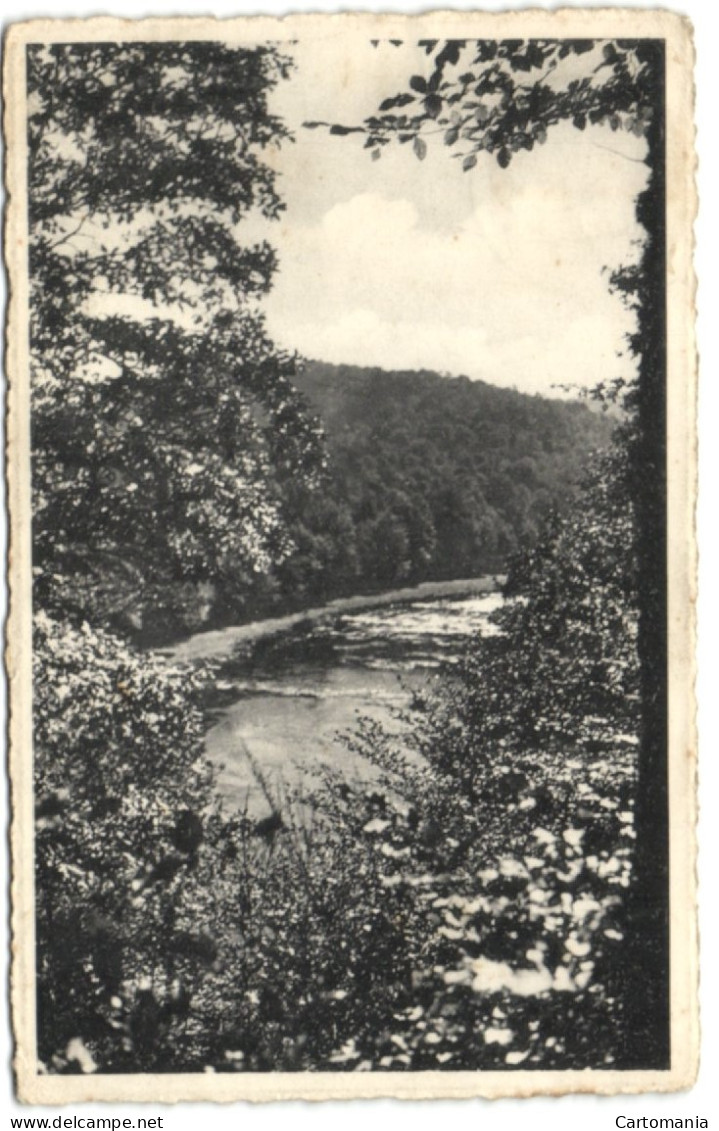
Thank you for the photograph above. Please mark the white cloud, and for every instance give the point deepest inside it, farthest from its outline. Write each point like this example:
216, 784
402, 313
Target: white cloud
515, 292
363, 337
497, 273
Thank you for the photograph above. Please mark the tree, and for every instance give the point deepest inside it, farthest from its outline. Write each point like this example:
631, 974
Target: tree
502, 98
564, 668
115, 762
163, 417
163, 422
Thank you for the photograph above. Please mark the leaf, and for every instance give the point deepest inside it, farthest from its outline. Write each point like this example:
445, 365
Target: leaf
397, 100
503, 158
535, 55
419, 84
420, 148
433, 105
376, 154
450, 52
496, 1036
451, 136
469, 162
520, 63
78, 1053
516, 1056
342, 131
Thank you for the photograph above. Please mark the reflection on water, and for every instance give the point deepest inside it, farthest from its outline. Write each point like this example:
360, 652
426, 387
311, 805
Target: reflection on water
290, 702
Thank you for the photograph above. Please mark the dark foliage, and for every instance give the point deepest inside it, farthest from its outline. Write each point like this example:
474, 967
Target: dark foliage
163, 417
501, 97
429, 478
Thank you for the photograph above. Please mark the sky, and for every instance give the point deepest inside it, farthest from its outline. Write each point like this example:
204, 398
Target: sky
497, 274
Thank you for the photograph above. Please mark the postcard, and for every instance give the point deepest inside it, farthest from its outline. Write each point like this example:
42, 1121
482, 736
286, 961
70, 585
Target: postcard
351, 473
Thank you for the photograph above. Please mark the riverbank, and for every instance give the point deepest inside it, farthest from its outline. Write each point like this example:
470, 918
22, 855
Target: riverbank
283, 703
219, 644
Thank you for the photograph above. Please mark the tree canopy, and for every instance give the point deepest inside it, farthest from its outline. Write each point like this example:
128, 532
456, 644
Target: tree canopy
163, 416
501, 97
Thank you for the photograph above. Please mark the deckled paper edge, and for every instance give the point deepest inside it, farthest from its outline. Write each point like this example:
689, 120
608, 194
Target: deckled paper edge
681, 462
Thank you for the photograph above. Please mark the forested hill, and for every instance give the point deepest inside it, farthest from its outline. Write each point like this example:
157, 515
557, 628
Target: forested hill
430, 477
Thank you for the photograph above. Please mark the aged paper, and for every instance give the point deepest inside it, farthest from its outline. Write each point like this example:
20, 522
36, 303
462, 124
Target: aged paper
340, 767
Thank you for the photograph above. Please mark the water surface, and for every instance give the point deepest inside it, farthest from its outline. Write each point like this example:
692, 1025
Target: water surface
287, 706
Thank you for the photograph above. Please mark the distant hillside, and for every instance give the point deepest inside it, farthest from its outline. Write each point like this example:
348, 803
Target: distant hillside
430, 478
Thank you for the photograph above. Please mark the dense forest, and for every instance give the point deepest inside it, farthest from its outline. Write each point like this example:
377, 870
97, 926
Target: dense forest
428, 478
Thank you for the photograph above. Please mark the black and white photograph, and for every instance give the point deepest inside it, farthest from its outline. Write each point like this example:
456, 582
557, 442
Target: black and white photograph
351, 489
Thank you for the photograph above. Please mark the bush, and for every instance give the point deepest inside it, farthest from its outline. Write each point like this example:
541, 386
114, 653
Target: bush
126, 852
464, 909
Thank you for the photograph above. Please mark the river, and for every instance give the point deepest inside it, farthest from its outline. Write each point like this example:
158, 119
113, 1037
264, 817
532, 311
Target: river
283, 702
